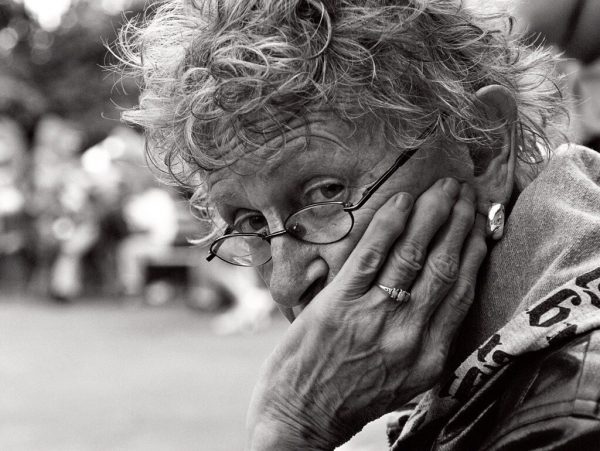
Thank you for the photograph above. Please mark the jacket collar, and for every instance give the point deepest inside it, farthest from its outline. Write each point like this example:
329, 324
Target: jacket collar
543, 278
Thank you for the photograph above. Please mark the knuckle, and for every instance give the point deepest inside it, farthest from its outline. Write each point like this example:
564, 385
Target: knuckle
467, 287
447, 189
410, 257
435, 198
436, 201
387, 220
462, 306
388, 213
465, 213
369, 261
465, 296
444, 267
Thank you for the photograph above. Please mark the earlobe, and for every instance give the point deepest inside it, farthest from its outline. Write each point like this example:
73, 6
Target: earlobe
495, 173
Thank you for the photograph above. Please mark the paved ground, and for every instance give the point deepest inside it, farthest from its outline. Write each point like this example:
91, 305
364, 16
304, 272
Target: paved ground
102, 376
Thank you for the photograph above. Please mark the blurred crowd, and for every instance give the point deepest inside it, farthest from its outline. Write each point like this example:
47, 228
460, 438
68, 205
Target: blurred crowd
67, 216
81, 214
97, 223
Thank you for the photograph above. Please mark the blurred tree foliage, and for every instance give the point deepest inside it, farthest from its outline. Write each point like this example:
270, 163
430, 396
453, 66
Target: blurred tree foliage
62, 71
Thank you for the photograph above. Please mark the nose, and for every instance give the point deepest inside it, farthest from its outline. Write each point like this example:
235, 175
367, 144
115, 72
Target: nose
294, 267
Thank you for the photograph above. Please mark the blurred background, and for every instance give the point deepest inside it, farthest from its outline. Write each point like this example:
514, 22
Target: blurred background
114, 332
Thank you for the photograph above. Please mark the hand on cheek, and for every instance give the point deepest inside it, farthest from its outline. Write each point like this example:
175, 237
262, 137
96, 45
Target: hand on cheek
354, 353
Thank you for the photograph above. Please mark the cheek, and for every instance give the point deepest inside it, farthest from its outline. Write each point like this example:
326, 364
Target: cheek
336, 254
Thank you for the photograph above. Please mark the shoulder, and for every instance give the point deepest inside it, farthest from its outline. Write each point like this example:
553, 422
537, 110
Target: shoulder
554, 400
573, 157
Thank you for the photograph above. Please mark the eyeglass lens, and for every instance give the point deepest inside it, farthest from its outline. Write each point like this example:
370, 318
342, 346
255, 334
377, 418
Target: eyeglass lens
243, 250
319, 224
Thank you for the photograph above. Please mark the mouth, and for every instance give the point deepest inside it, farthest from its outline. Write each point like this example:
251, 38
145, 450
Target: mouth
308, 296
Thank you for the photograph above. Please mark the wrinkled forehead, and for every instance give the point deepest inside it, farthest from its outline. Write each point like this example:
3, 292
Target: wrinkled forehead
315, 133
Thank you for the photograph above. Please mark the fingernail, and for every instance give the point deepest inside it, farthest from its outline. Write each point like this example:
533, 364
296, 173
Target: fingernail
467, 193
451, 186
403, 201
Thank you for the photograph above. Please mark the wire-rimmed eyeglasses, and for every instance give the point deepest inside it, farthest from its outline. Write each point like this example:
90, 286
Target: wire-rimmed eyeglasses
318, 223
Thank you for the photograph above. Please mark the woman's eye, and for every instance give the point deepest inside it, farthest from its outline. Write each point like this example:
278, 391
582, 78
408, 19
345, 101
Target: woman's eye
251, 223
327, 192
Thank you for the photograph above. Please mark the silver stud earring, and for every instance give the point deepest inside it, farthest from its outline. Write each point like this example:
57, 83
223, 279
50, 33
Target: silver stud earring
495, 222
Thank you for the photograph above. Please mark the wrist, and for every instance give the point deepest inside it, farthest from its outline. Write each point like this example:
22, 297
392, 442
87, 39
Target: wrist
278, 436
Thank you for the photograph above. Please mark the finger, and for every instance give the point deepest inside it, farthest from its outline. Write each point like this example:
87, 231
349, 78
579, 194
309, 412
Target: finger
453, 309
408, 254
441, 269
365, 261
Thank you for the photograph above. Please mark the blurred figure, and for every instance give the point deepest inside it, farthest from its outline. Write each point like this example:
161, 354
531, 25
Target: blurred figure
54, 157
573, 26
155, 258
13, 217
152, 220
76, 230
104, 225
114, 168
12, 200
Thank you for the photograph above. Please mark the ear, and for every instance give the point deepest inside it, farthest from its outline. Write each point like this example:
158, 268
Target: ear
495, 167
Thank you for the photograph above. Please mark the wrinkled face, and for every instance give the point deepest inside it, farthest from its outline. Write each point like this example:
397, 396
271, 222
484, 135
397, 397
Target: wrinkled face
336, 165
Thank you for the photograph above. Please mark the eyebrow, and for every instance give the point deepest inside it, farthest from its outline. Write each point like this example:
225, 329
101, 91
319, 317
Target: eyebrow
228, 198
223, 197
271, 164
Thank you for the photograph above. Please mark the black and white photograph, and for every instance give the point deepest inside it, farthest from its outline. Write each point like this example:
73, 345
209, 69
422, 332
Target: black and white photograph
299, 225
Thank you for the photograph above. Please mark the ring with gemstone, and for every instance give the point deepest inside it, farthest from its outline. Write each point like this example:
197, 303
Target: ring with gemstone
397, 294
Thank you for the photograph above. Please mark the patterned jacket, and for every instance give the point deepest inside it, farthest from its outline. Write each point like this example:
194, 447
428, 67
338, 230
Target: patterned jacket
535, 383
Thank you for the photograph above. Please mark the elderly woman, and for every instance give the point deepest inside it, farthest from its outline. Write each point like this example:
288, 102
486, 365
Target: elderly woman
356, 152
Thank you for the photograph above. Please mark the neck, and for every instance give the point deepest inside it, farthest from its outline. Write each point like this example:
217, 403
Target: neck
487, 314
547, 242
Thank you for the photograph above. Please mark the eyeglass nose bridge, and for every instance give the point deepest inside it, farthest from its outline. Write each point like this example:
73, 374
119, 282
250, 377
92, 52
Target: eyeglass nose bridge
269, 236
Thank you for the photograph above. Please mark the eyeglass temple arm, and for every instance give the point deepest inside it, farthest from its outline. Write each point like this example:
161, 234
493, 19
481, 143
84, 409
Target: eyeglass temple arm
381, 180
212, 254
